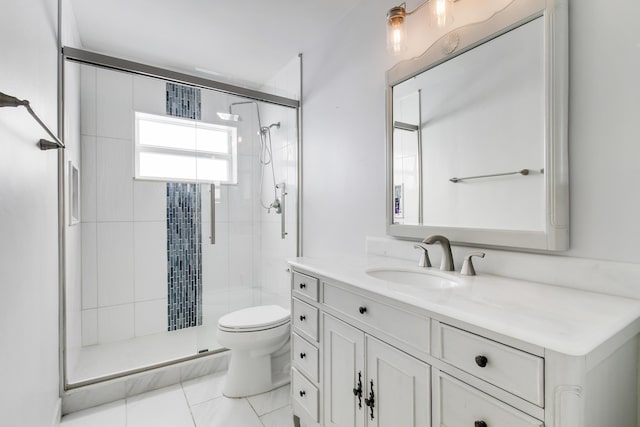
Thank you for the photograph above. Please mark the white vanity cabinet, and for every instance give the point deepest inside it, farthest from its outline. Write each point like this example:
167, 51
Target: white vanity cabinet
368, 382
362, 357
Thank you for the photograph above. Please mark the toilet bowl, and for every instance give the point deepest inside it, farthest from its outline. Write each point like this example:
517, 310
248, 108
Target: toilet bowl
254, 335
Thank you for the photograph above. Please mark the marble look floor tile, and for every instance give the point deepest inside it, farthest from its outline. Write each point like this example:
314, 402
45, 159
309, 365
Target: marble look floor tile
109, 415
225, 412
282, 417
166, 407
268, 402
204, 388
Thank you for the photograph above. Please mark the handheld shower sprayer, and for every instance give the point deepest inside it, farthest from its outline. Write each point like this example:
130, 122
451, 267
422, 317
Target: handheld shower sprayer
265, 129
265, 158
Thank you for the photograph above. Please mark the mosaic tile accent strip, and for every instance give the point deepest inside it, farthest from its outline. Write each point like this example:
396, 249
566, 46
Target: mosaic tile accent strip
184, 101
184, 255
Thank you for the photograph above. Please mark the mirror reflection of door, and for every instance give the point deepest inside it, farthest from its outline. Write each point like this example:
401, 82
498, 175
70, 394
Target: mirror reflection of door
407, 164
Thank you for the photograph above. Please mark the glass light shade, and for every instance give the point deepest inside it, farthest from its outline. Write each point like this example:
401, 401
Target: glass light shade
396, 35
441, 13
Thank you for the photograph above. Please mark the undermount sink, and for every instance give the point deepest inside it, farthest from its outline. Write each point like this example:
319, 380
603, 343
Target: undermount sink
423, 279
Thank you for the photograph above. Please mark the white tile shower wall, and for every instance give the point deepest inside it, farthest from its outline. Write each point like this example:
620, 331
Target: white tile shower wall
88, 176
114, 180
149, 201
89, 327
124, 231
88, 100
150, 255
115, 323
73, 243
150, 317
114, 104
115, 263
89, 264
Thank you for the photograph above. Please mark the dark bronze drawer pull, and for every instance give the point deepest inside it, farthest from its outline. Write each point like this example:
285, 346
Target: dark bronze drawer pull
481, 361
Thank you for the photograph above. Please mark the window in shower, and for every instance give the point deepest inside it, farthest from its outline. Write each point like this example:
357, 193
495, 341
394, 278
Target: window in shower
176, 149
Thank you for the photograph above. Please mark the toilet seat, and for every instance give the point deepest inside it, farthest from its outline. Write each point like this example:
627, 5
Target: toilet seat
254, 319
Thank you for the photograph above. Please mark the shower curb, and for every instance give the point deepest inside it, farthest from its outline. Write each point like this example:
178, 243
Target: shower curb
131, 385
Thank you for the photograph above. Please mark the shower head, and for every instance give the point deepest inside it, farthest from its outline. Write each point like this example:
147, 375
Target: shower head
230, 117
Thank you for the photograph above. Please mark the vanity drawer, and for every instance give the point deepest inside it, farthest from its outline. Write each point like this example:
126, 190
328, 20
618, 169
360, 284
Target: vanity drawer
305, 285
305, 319
406, 327
462, 406
305, 393
305, 357
513, 370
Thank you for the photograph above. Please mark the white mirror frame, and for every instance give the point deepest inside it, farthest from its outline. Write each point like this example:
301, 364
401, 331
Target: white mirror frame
555, 236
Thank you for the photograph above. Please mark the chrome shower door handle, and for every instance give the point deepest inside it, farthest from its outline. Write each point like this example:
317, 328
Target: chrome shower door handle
283, 231
212, 237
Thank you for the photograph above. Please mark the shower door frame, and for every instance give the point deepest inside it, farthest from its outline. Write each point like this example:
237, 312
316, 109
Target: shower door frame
109, 62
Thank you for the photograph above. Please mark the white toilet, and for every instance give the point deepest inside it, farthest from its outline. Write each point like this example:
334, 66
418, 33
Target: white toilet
254, 335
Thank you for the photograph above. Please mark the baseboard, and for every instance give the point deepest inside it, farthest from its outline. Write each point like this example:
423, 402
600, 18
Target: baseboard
57, 413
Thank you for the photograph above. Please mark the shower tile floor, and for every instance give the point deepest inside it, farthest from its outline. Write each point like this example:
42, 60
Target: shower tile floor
194, 403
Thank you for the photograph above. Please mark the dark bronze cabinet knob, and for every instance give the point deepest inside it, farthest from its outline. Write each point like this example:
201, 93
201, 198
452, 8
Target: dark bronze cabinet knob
303, 355
480, 424
302, 393
302, 317
302, 285
362, 309
481, 361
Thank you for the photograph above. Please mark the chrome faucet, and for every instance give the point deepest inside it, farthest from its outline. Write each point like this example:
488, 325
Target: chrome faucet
447, 256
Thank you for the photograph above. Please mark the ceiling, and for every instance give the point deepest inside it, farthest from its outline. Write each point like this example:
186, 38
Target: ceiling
244, 41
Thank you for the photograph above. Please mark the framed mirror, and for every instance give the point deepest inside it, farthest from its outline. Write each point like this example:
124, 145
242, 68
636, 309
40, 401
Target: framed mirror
477, 132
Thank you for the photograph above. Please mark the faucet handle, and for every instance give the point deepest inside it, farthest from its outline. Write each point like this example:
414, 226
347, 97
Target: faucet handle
467, 266
424, 257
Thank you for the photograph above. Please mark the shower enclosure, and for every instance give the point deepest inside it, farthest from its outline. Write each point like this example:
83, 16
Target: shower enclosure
181, 216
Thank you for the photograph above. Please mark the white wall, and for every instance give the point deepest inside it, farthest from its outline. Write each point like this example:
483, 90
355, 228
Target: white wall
344, 139
28, 217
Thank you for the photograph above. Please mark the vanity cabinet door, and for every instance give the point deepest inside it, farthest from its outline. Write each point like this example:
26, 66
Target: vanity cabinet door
343, 374
399, 386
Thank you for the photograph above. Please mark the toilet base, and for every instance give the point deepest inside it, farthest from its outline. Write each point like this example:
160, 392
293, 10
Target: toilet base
249, 374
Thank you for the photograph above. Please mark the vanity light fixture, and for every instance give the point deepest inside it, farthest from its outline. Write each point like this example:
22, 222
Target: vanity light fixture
396, 31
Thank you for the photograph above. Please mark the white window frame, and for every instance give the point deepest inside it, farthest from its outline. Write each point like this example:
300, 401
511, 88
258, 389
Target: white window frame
230, 157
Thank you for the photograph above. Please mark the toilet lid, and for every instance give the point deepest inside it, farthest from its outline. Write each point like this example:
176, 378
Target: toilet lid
261, 317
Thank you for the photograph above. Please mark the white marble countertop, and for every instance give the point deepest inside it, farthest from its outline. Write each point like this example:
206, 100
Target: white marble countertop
568, 321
